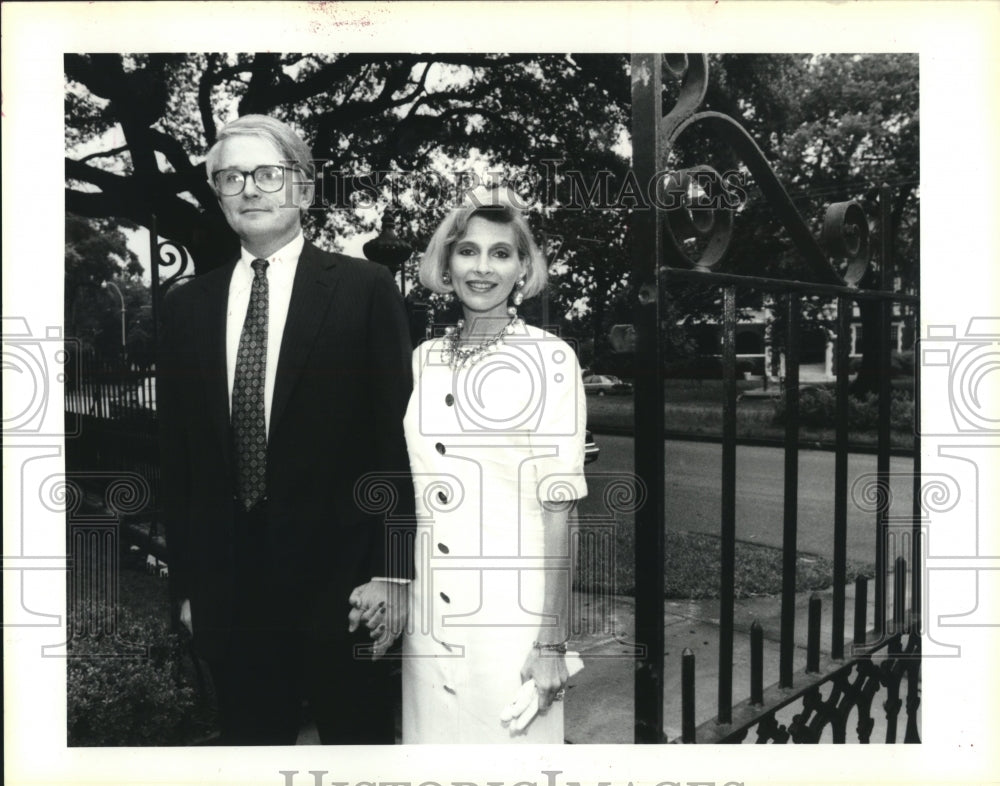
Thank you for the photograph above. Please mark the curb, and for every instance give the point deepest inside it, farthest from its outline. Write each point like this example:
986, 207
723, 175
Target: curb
763, 442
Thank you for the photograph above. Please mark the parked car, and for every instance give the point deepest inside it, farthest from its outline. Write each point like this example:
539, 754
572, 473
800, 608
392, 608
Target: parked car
602, 384
590, 449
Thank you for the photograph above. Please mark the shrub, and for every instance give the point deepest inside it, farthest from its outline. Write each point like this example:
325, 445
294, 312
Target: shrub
900, 364
118, 696
864, 412
818, 409
700, 367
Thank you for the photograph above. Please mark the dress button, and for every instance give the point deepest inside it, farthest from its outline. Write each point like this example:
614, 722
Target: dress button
449, 400
444, 597
439, 448
442, 498
443, 549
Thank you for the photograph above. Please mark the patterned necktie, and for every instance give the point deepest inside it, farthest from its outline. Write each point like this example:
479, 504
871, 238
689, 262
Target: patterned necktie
249, 426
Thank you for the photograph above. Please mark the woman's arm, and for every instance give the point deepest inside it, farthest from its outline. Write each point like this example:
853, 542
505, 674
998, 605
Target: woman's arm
547, 666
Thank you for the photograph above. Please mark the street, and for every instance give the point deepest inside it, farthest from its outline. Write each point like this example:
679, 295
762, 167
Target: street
693, 477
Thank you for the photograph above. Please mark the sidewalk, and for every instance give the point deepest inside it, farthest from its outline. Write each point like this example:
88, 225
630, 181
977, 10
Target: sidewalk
599, 701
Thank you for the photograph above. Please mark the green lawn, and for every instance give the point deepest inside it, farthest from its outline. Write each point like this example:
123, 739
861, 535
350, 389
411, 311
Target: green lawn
694, 407
692, 566
692, 560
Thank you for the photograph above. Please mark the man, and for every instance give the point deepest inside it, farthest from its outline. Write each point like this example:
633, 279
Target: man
284, 377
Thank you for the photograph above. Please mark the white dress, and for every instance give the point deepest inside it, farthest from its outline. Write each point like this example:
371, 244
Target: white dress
487, 444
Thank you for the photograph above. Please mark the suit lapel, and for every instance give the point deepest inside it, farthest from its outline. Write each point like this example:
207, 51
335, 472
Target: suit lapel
315, 279
213, 354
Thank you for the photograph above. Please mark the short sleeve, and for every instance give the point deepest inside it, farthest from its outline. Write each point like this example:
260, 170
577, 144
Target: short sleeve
560, 439
416, 362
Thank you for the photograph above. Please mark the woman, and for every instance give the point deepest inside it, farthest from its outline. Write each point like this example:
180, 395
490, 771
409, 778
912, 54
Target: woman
495, 433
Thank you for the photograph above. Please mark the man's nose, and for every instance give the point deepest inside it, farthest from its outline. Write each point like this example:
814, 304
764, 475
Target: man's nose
250, 189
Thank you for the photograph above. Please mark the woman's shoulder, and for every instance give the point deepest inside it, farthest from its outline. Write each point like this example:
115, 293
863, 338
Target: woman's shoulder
429, 344
422, 351
548, 341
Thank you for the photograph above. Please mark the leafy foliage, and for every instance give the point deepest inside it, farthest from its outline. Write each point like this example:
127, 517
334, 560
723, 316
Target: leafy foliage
137, 128
97, 254
818, 406
118, 697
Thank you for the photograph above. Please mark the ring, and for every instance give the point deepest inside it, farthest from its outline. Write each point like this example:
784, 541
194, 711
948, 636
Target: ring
560, 695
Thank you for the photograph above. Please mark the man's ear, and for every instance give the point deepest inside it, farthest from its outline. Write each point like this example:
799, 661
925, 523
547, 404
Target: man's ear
308, 194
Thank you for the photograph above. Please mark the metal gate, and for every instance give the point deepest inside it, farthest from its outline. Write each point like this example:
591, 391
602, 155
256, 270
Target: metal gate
829, 688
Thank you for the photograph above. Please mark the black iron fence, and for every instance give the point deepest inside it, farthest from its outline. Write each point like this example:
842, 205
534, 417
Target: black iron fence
885, 657
110, 407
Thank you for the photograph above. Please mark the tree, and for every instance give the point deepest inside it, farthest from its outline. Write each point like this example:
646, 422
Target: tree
865, 114
97, 252
364, 114
399, 127
834, 127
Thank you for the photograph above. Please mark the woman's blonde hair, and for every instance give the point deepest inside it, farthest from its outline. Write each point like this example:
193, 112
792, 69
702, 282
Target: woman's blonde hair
492, 204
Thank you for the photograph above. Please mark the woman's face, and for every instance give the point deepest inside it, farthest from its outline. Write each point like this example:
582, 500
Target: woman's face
484, 267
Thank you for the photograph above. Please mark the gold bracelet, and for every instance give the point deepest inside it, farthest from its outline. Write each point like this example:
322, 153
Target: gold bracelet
560, 648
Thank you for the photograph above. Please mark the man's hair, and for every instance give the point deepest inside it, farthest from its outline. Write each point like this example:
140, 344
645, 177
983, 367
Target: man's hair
294, 151
492, 204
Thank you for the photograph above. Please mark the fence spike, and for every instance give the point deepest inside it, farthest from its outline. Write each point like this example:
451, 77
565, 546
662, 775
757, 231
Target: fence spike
756, 663
899, 595
812, 648
687, 696
860, 610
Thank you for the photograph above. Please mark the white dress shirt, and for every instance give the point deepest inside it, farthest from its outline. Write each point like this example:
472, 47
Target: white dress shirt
280, 275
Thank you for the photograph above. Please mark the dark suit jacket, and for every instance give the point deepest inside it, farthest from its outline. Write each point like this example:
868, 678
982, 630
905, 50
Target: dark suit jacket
341, 389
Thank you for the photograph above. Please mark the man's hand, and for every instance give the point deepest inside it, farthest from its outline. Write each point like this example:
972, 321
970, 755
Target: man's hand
382, 607
186, 615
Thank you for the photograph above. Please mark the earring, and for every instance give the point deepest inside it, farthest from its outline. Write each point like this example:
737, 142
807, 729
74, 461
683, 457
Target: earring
518, 295
446, 277
517, 299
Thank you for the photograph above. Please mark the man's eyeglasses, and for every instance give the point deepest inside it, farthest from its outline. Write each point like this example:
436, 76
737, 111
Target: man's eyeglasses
268, 178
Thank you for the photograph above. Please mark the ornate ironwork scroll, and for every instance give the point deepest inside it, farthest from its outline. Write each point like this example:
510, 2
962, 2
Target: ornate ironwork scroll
168, 254
689, 204
845, 228
165, 254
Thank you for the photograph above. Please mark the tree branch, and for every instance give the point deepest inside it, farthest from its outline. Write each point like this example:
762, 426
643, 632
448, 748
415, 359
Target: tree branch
104, 154
266, 97
421, 83
104, 204
208, 81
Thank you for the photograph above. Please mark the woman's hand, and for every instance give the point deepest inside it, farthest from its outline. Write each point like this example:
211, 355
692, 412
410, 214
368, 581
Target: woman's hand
382, 607
548, 669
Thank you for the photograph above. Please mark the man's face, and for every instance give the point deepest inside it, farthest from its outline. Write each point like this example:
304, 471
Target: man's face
260, 218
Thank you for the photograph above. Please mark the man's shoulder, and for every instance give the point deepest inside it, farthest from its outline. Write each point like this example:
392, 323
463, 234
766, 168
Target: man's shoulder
362, 269
187, 290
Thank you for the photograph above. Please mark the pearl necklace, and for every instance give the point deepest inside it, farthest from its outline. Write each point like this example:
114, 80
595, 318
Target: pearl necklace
457, 358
